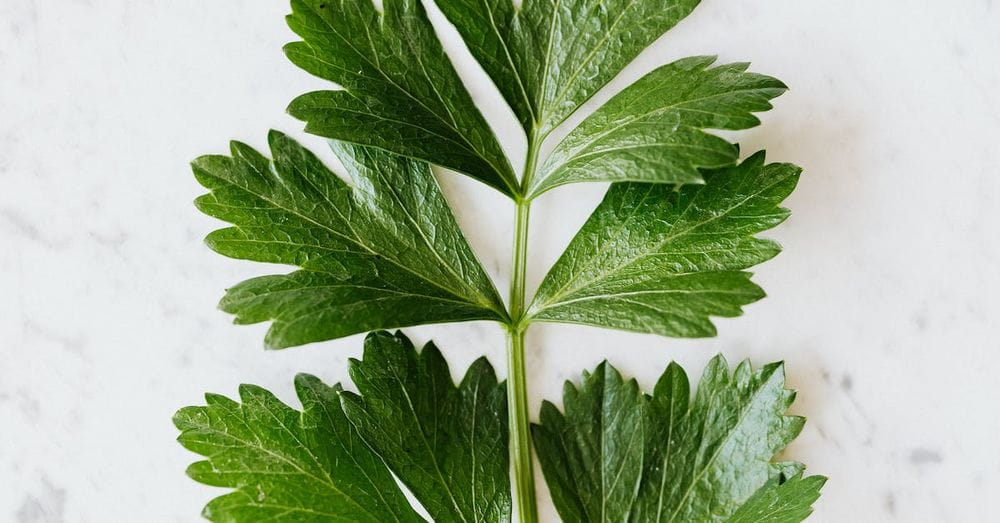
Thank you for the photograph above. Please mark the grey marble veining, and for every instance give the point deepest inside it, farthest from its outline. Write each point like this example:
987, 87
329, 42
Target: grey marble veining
883, 304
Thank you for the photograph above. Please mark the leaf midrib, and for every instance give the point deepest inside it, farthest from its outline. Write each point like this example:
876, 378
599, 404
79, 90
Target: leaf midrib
641, 293
355, 240
603, 275
427, 445
351, 455
248, 444
510, 59
569, 82
483, 300
666, 457
742, 417
621, 469
399, 293
573, 154
469, 145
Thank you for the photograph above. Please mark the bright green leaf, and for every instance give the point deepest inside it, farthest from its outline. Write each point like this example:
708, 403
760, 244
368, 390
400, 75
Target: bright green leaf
400, 92
287, 465
789, 501
619, 455
652, 258
447, 444
383, 253
653, 130
549, 56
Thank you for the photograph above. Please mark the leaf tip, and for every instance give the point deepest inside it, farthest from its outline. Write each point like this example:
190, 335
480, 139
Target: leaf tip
291, 48
306, 380
183, 417
274, 136
483, 367
756, 159
718, 361
248, 391
274, 339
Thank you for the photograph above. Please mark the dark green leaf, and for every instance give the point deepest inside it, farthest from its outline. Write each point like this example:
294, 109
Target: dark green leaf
652, 258
400, 92
592, 456
653, 130
383, 253
447, 444
287, 465
618, 455
548, 57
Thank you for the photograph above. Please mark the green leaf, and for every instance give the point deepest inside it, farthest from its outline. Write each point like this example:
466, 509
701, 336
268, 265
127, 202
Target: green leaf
383, 253
548, 57
400, 92
653, 130
652, 258
447, 444
592, 456
619, 455
287, 465
781, 502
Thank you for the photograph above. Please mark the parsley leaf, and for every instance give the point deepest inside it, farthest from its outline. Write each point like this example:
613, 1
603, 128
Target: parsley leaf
287, 465
549, 56
383, 253
620, 455
652, 258
447, 444
652, 130
400, 91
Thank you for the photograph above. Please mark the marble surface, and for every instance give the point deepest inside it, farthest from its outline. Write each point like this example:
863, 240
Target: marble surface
883, 303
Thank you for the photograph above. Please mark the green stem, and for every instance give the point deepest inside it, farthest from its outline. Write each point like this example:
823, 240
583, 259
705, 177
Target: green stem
517, 379
520, 426
519, 266
517, 386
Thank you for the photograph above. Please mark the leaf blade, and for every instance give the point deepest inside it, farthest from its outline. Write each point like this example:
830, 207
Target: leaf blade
288, 465
654, 259
547, 58
704, 459
592, 455
789, 501
400, 91
406, 412
653, 130
383, 253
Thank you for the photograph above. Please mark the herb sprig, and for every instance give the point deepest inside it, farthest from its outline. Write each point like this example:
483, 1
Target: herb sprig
666, 250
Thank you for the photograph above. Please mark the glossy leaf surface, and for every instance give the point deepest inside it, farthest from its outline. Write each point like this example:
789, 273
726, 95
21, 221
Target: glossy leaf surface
548, 57
400, 92
447, 444
616, 454
287, 465
652, 258
332, 461
653, 131
385, 252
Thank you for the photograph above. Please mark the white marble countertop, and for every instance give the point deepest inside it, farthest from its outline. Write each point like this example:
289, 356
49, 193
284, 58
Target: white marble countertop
883, 304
